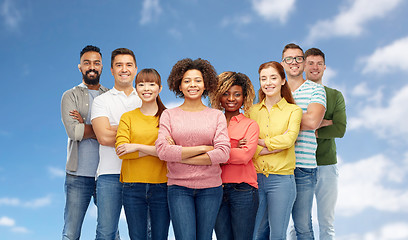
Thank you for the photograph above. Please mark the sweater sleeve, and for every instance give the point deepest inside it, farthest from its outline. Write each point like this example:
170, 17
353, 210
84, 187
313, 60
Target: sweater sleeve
222, 145
165, 151
245, 154
338, 128
123, 136
75, 130
287, 139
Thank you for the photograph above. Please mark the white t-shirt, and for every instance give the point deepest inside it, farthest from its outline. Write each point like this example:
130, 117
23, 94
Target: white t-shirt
112, 105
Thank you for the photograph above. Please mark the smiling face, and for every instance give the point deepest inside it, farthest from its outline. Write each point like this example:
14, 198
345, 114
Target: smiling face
271, 82
232, 99
293, 69
192, 85
124, 70
314, 68
148, 91
91, 67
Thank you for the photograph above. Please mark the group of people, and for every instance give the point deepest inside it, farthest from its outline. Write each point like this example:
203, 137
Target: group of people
238, 168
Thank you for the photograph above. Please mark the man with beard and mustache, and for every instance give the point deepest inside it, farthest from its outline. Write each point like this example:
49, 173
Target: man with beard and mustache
83, 148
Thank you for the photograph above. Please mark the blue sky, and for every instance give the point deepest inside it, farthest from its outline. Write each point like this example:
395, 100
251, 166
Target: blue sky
366, 46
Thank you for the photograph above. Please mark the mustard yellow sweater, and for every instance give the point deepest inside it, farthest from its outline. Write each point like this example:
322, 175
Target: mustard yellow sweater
135, 127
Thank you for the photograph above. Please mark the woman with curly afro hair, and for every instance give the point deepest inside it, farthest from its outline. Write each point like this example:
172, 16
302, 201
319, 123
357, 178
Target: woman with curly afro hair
236, 218
193, 140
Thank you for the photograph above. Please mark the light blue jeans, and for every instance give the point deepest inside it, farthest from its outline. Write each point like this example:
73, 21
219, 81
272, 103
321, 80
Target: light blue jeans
109, 192
326, 198
277, 194
144, 203
302, 208
78, 193
193, 212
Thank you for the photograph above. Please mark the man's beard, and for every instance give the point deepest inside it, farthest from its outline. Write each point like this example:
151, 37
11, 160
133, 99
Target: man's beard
91, 81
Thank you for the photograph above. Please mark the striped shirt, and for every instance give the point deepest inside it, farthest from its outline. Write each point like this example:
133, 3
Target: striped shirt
306, 144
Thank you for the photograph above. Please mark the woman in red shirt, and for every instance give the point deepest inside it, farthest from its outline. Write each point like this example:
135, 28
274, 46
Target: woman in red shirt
236, 217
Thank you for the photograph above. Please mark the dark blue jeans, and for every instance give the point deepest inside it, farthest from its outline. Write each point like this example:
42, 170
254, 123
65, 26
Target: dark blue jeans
141, 200
236, 217
193, 212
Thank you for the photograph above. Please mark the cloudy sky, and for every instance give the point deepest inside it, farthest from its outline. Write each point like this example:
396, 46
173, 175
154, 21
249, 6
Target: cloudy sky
366, 46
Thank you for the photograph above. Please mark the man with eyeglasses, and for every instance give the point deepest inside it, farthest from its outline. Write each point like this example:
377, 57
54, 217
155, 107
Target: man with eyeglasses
311, 97
333, 126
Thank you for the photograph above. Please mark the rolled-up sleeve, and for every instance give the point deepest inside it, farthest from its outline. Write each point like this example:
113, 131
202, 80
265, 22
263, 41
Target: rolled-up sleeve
123, 136
165, 151
222, 145
75, 130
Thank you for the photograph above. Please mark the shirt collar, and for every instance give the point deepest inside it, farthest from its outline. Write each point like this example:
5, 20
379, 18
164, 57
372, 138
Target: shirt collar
238, 118
115, 91
82, 85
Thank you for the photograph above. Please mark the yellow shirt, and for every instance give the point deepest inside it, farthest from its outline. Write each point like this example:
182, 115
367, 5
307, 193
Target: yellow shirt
280, 128
135, 127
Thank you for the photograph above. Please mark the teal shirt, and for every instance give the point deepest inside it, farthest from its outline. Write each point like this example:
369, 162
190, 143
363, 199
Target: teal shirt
335, 110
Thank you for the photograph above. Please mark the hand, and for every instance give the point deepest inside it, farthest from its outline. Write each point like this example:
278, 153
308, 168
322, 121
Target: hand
261, 142
326, 123
208, 148
114, 128
242, 143
75, 115
170, 140
126, 148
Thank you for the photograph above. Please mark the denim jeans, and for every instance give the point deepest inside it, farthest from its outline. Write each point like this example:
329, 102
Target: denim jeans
78, 193
306, 179
277, 194
236, 217
144, 200
326, 198
109, 195
193, 212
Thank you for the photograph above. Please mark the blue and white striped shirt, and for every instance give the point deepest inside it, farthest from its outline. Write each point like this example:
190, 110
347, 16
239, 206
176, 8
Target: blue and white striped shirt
306, 144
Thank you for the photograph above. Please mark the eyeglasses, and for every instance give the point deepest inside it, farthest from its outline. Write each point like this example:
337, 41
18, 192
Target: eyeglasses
298, 59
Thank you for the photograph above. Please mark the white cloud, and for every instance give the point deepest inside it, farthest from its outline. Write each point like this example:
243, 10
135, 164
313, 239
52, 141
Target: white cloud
392, 231
6, 221
56, 172
20, 230
175, 33
372, 183
173, 104
238, 21
388, 58
329, 74
11, 15
151, 10
274, 9
35, 203
361, 90
352, 19
385, 120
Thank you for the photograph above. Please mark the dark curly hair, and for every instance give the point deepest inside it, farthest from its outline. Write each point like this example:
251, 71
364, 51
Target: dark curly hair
228, 79
210, 77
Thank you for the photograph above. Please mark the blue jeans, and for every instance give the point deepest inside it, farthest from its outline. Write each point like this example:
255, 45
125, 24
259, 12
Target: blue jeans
236, 217
109, 194
143, 200
326, 198
193, 212
78, 193
306, 179
277, 194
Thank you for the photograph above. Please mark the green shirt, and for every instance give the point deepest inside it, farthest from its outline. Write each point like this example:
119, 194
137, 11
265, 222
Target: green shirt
335, 111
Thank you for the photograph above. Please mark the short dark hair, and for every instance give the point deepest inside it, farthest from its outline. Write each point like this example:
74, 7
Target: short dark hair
291, 46
90, 48
315, 52
122, 51
210, 77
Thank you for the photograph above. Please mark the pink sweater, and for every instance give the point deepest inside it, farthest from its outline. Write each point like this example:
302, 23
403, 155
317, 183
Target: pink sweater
207, 127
